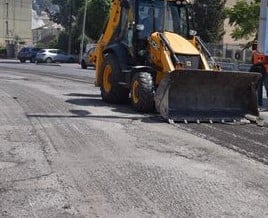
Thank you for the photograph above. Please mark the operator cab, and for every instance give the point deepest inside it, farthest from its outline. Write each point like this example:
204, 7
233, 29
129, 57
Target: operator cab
155, 16
152, 16
140, 18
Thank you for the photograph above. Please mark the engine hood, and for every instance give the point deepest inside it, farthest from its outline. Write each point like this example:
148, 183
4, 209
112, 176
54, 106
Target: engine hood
180, 45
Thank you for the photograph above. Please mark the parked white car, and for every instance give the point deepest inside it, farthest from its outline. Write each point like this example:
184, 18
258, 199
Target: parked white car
54, 55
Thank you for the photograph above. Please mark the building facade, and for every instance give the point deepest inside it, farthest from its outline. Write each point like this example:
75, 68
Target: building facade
231, 50
15, 22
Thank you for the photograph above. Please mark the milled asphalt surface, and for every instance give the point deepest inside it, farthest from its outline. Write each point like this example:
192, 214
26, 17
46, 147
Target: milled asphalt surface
263, 109
66, 153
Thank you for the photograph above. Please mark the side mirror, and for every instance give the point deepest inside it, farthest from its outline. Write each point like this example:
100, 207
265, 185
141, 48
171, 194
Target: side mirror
192, 32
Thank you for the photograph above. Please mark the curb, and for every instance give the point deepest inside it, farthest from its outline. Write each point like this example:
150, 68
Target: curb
261, 120
50, 64
264, 117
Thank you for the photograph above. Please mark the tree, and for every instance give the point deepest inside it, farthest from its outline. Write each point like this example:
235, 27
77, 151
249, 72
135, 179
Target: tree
65, 12
209, 19
244, 17
69, 13
97, 15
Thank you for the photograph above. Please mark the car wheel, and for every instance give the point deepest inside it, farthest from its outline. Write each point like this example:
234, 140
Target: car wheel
83, 65
48, 60
22, 60
71, 60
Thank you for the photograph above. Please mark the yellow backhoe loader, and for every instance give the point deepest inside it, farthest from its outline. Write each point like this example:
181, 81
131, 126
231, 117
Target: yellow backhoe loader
149, 53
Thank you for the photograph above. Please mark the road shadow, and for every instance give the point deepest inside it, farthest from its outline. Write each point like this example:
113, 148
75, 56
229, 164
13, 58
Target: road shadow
87, 102
87, 115
83, 95
96, 101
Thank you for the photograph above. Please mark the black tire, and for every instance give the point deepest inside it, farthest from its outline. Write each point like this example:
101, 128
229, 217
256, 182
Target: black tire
111, 91
259, 68
142, 92
83, 65
49, 60
22, 60
71, 60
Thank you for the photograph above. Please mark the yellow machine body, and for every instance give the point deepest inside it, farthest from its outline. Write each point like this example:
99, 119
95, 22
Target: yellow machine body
167, 69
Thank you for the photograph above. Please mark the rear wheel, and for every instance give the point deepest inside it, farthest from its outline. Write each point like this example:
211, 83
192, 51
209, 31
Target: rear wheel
111, 91
48, 60
22, 60
83, 65
142, 92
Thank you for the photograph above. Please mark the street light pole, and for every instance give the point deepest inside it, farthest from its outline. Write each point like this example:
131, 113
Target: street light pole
83, 31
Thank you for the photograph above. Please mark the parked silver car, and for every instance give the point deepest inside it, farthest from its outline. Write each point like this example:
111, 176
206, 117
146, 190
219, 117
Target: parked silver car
54, 55
85, 61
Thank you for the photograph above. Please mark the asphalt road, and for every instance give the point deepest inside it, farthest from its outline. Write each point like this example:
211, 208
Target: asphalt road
66, 153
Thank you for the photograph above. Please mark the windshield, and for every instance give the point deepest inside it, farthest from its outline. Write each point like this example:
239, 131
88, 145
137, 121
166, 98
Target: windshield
151, 15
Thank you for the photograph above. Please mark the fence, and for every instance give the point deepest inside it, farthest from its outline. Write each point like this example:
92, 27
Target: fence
231, 57
230, 52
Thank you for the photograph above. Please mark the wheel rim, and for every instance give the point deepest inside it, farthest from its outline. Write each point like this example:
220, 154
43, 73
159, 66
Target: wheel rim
135, 93
106, 78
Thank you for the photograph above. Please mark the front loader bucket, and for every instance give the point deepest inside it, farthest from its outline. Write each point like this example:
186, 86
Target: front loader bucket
205, 96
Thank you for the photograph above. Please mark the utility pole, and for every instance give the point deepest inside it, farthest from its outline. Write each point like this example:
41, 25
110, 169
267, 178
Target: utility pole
70, 27
7, 17
83, 31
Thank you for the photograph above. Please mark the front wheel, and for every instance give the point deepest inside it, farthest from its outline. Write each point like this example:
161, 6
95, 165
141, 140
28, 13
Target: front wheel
71, 60
111, 91
142, 92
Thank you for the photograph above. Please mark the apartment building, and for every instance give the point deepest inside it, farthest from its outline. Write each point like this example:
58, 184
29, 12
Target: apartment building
15, 22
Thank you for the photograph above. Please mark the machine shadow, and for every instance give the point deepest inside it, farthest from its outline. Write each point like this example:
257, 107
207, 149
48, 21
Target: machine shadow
83, 95
96, 101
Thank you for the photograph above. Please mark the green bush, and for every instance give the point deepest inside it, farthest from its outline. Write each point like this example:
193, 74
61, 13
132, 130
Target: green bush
3, 52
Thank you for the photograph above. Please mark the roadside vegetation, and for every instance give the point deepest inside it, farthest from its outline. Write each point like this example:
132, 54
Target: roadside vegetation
244, 17
69, 13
